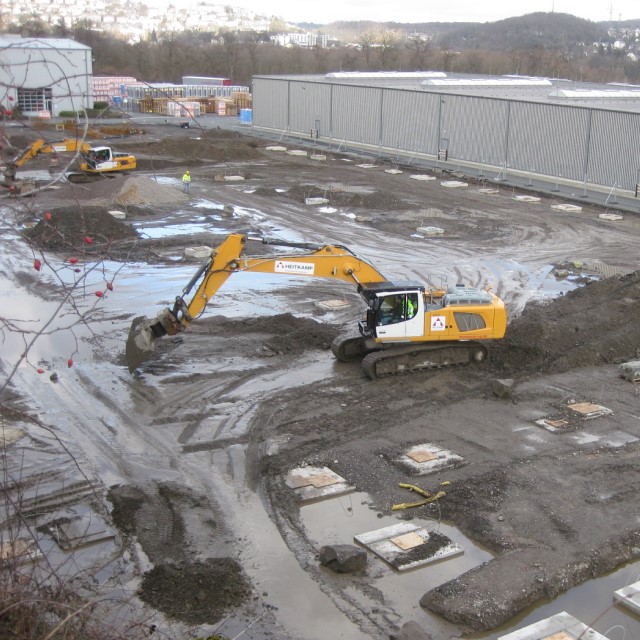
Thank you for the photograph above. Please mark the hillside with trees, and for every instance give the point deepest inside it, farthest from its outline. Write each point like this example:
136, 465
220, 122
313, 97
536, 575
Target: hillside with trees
545, 44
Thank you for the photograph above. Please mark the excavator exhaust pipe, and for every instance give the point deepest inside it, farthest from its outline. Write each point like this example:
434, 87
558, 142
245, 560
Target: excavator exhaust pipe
141, 342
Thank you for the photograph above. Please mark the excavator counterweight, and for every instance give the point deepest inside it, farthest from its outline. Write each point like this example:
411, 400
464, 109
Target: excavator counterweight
407, 326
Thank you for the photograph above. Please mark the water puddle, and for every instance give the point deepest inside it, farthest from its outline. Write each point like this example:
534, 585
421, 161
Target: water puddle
591, 603
338, 520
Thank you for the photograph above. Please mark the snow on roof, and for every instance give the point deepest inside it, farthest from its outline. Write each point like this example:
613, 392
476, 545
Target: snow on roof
11, 41
488, 82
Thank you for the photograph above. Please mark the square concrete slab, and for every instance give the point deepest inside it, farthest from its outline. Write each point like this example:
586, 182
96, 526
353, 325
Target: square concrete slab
314, 483
629, 597
407, 546
332, 305
80, 532
562, 626
393, 172
19, 551
555, 426
366, 165
427, 458
488, 190
589, 410
567, 207
423, 178
453, 184
527, 198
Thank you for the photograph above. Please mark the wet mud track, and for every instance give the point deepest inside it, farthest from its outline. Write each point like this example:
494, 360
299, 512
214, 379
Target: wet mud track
192, 452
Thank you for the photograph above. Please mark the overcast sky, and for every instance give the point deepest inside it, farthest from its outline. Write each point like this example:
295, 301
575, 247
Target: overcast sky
432, 11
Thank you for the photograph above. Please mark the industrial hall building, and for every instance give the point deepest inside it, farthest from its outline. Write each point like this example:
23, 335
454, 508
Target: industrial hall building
585, 136
44, 76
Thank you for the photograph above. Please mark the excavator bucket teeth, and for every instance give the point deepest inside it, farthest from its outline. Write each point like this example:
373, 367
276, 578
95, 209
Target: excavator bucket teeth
140, 343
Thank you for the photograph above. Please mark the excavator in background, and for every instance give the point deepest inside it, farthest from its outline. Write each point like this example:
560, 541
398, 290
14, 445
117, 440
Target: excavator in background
407, 326
94, 161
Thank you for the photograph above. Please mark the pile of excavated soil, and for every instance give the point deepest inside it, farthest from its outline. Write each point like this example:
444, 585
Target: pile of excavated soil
75, 228
135, 190
206, 146
596, 324
198, 592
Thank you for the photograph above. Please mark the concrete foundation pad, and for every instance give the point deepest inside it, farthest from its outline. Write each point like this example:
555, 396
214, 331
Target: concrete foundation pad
629, 597
453, 184
366, 165
19, 551
487, 190
610, 216
567, 207
9, 435
233, 178
425, 178
275, 148
430, 231
562, 626
427, 458
120, 215
318, 157
407, 546
393, 172
527, 198
82, 532
588, 410
315, 483
316, 201
332, 305
555, 426
200, 253
297, 152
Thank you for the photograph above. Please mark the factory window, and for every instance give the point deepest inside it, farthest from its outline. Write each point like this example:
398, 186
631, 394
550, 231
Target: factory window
35, 100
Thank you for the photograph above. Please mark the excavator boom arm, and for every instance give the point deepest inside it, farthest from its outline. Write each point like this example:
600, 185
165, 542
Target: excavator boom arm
319, 261
42, 146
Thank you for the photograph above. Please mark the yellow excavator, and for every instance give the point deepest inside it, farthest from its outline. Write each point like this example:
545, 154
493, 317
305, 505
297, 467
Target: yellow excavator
94, 161
407, 326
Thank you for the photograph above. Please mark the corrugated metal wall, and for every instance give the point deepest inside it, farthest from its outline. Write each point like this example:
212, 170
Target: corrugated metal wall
584, 144
614, 157
548, 139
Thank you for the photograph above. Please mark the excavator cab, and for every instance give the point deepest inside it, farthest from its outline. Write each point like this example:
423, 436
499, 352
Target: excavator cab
394, 310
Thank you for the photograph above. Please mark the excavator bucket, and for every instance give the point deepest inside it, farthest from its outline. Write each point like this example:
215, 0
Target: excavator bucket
140, 343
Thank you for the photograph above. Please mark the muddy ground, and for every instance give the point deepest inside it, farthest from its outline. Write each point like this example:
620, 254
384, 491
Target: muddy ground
192, 452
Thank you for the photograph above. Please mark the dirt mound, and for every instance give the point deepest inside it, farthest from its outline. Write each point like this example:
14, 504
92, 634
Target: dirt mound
207, 146
135, 190
72, 228
196, 592
596, 324
289, 334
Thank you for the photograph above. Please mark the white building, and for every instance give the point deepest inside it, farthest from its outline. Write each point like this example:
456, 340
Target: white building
299, 40
44, 76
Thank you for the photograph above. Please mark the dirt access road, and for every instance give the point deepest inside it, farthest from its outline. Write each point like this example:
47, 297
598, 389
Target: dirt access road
185, 462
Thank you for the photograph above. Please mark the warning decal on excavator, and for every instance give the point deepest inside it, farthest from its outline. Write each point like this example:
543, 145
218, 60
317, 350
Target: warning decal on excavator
304, 268
438, 323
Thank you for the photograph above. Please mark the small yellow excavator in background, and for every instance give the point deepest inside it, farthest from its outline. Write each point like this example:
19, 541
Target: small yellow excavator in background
94, 161
407, 327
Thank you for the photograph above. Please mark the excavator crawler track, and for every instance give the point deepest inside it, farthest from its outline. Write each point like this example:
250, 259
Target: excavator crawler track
348, 348
415, 358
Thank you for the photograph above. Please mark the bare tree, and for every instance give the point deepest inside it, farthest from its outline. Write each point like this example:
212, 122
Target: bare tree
420, 48
388, 44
